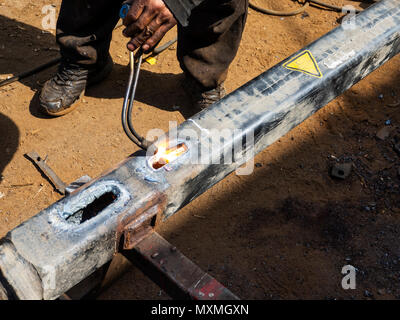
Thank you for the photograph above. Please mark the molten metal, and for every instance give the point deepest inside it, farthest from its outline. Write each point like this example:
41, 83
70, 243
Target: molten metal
165, 155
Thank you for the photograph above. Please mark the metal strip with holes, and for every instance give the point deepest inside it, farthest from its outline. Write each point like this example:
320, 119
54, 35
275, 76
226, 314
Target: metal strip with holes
175, 273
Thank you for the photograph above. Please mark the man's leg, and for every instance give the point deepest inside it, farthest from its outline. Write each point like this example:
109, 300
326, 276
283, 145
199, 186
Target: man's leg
209, 44
84, 31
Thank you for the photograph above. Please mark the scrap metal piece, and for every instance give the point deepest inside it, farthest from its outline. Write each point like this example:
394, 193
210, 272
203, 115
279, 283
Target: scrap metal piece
175, 273
47, 171
341, 170
77, 184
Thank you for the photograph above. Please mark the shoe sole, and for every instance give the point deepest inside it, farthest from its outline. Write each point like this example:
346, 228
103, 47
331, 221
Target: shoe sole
98, 78
71, 108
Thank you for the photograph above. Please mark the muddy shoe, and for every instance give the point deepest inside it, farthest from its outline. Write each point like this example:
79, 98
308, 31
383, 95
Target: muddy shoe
203, 98
61, 94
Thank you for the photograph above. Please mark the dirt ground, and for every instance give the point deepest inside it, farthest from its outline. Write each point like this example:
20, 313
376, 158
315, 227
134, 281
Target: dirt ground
284, 232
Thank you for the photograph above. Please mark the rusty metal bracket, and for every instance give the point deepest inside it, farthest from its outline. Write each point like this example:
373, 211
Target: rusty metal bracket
132, 229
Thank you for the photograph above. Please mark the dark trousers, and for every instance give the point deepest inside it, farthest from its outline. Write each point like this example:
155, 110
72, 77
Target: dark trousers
206, 47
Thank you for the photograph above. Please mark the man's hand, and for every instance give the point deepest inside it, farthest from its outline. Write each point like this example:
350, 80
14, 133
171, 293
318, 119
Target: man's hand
146, 23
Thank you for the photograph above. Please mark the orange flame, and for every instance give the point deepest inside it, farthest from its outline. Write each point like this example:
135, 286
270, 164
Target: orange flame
166, 155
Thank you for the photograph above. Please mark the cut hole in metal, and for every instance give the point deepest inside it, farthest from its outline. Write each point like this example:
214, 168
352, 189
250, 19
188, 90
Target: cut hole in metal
92, 209
165, 155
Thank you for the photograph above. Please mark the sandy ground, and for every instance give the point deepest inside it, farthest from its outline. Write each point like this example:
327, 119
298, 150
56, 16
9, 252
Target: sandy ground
284, 232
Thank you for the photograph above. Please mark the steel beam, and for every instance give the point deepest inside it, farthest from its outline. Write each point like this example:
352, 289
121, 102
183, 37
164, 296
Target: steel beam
65, 243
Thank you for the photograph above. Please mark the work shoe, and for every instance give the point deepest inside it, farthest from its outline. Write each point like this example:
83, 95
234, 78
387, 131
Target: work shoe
202, 98
61, 94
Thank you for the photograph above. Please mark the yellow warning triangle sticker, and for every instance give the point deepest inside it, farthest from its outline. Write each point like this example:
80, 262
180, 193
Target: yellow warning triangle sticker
304, 62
